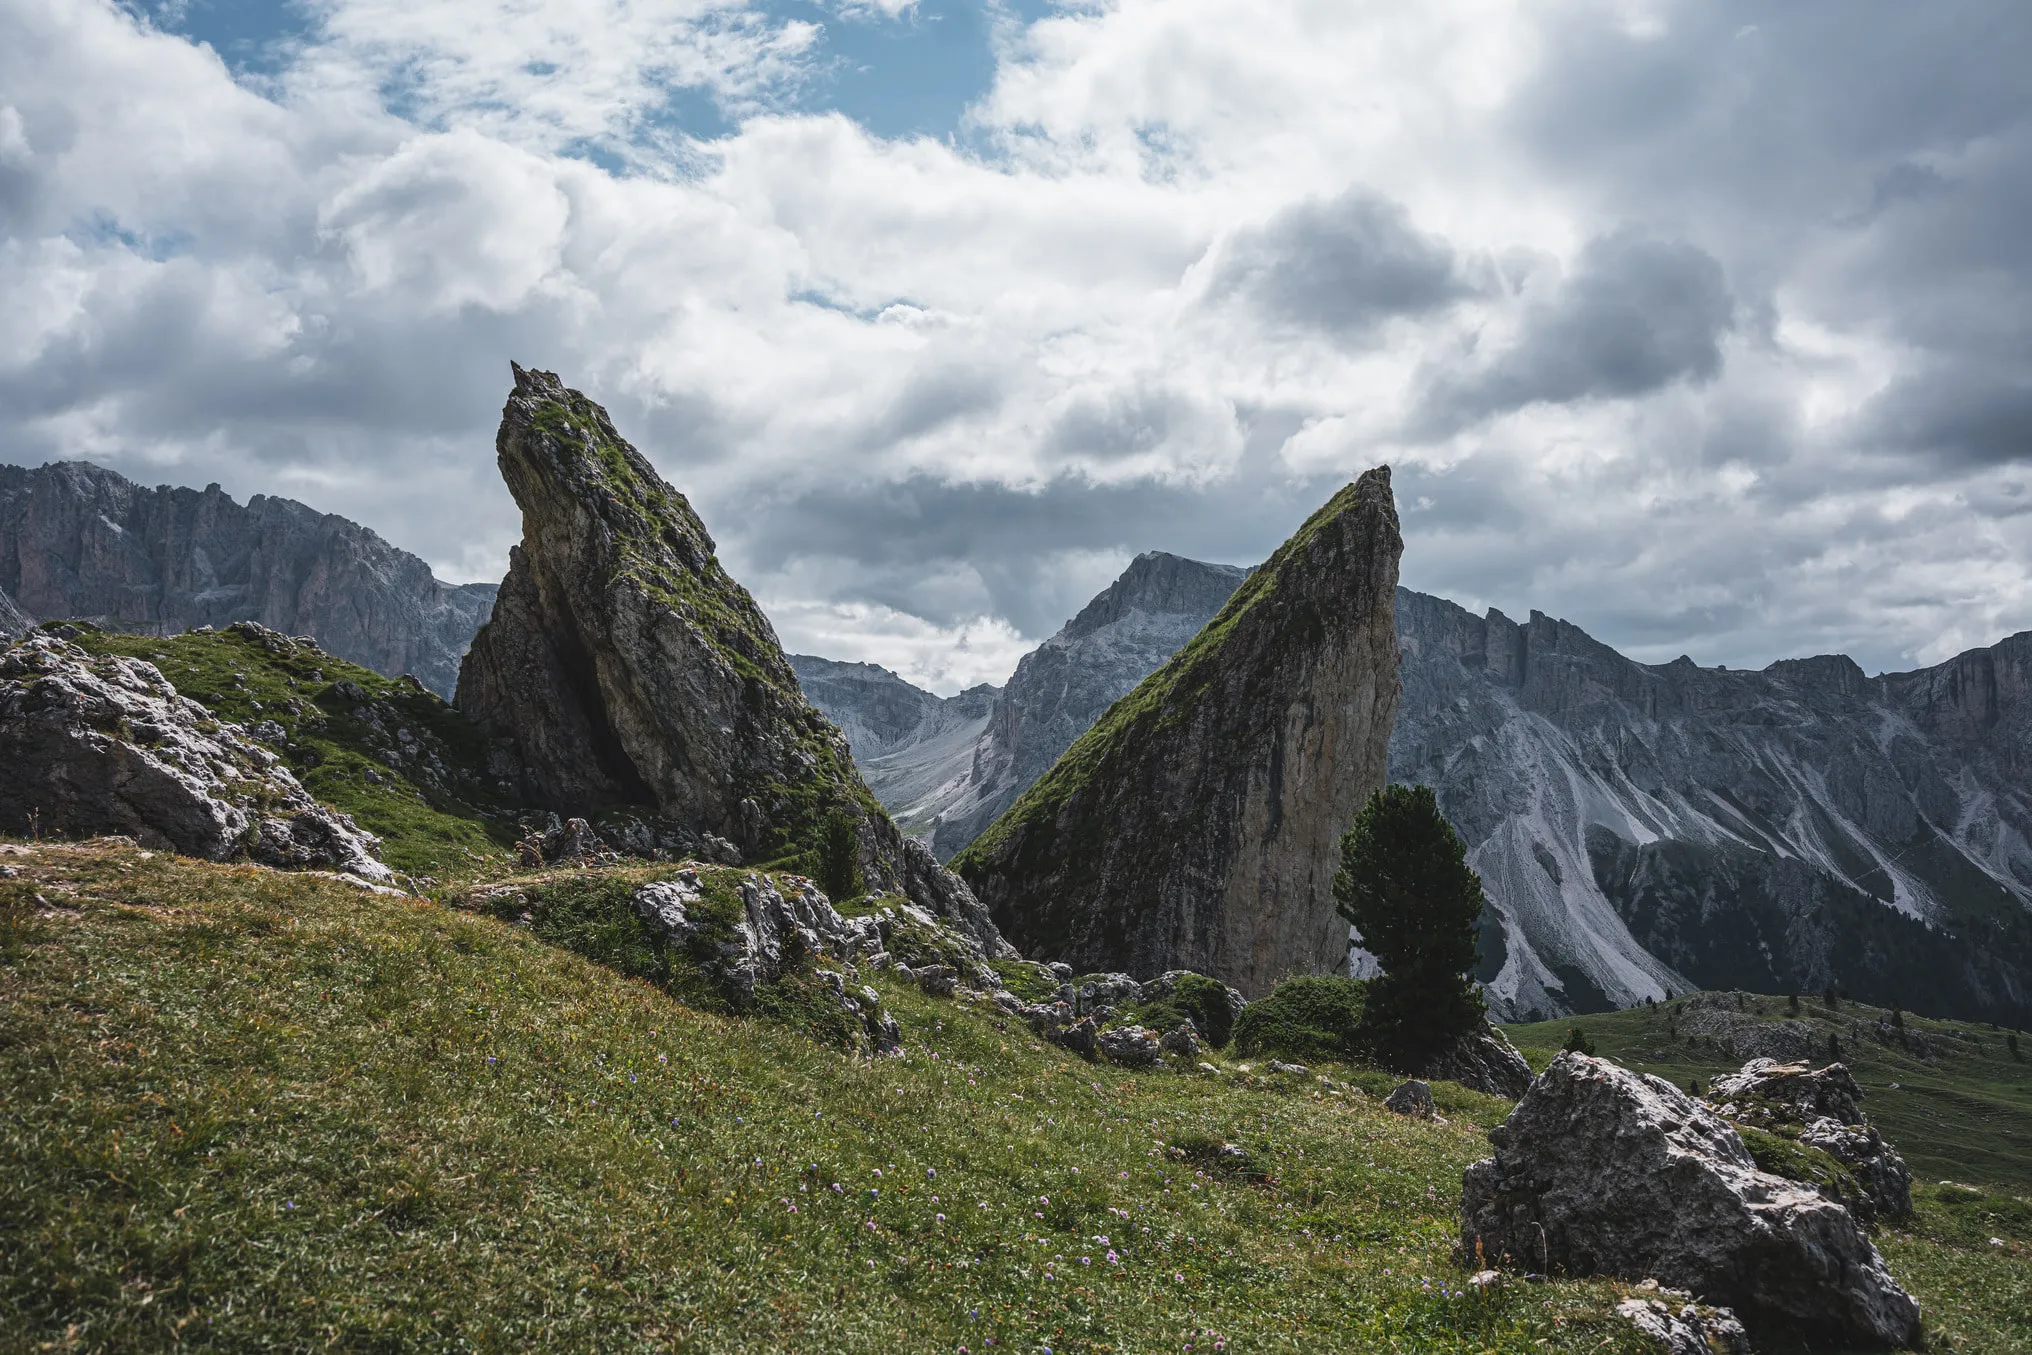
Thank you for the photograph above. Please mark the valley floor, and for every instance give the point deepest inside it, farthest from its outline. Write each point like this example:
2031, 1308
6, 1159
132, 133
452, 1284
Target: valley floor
254, 1110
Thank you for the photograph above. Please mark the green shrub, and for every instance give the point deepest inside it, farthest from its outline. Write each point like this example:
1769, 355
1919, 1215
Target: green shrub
1195, 998
1577, 1041
1315, 1017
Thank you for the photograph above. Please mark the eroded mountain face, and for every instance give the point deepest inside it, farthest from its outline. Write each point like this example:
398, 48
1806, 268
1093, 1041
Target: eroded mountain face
1649, 828
77, 540
1195, 825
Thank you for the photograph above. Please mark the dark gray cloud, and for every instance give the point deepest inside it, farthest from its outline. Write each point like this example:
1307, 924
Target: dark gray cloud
1636, 313
1343, 266
1958, 419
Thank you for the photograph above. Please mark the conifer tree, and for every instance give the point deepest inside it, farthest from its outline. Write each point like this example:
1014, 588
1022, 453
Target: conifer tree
1405, 884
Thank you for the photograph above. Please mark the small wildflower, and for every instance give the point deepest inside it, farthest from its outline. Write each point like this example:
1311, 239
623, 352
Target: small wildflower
1086, 1260
938, 1218
1113, 1259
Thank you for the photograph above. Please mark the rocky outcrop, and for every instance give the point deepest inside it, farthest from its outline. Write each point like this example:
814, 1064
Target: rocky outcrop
1821, 1109
1683, 1328
1484, 1061
1412, 1099
77, 540
947, 767
1602, 1171
14, 623
1645, 829
1197, 824
628, 668
105, 745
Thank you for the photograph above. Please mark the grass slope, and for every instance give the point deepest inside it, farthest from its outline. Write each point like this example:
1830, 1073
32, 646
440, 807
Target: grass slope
1948, 1094
250, 1110
428, 796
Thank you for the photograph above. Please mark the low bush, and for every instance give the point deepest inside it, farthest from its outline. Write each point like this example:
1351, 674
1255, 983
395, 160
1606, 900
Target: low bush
1316, 1017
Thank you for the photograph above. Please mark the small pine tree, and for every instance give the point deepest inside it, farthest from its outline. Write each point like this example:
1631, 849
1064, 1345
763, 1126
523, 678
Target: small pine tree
1834, 1047
1693, 1085
1832, 999
1792, 1003
1405, 884
838, 870
1897, 1017
2011, 1041
1577, 1041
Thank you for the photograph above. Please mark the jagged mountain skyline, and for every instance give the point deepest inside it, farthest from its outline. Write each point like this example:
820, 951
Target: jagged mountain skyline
1642, 829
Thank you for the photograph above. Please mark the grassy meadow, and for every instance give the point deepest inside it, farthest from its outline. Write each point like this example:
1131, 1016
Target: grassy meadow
255, 1111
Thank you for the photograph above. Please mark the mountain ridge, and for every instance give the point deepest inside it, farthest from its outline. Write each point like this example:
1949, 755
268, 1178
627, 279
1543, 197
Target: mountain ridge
79, 540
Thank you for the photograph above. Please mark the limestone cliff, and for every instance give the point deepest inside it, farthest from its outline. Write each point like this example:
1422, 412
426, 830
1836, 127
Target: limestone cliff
1196, 826
13, 621
629, 668
77, 540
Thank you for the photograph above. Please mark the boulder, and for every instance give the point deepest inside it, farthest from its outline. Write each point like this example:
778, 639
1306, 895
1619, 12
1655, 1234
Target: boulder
629, 669
1413, 1098
1484, 1061
1691, 1329
1131, 1046
1181, 1043
1875, 1164
1080, 1037
1602, 1171
1196, 825
1765, 1091
753, 947
105, 745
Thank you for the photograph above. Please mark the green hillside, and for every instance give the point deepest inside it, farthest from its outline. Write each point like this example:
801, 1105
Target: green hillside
408, 767
1949, 1094
249, 1110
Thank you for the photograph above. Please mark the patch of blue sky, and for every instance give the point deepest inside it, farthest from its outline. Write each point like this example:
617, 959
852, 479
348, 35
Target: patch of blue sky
253, 37
910, 74
102, 229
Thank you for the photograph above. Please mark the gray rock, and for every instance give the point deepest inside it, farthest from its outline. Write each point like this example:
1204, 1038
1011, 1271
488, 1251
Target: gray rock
938, 980
1483, 1060
1181, 1043
1195, 828
1695, 1329
1797, 1091
1602, 1171
1295, 1069
1130, 1046
1412, 1098
629, 668
1875, 1164
81, 541
107, 746
1105, 992
1080, 1037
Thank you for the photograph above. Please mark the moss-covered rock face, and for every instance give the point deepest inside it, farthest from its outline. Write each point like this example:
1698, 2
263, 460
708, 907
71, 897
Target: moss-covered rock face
1196, 826
629, 668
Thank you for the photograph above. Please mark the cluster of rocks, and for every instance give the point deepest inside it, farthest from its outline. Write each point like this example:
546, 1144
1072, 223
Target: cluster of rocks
1482, 1060
106, 745
1681, 1326
1079, 1017
1820, 1108
1604, 1171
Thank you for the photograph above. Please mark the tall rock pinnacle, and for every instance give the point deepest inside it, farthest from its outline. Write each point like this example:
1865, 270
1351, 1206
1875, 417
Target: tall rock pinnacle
630, 669
1197, 824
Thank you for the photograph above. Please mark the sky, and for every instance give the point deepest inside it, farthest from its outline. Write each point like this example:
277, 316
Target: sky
1705, 325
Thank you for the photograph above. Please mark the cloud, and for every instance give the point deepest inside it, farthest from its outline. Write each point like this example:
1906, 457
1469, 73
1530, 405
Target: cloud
1342, 266
1636, 313
1711, 340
